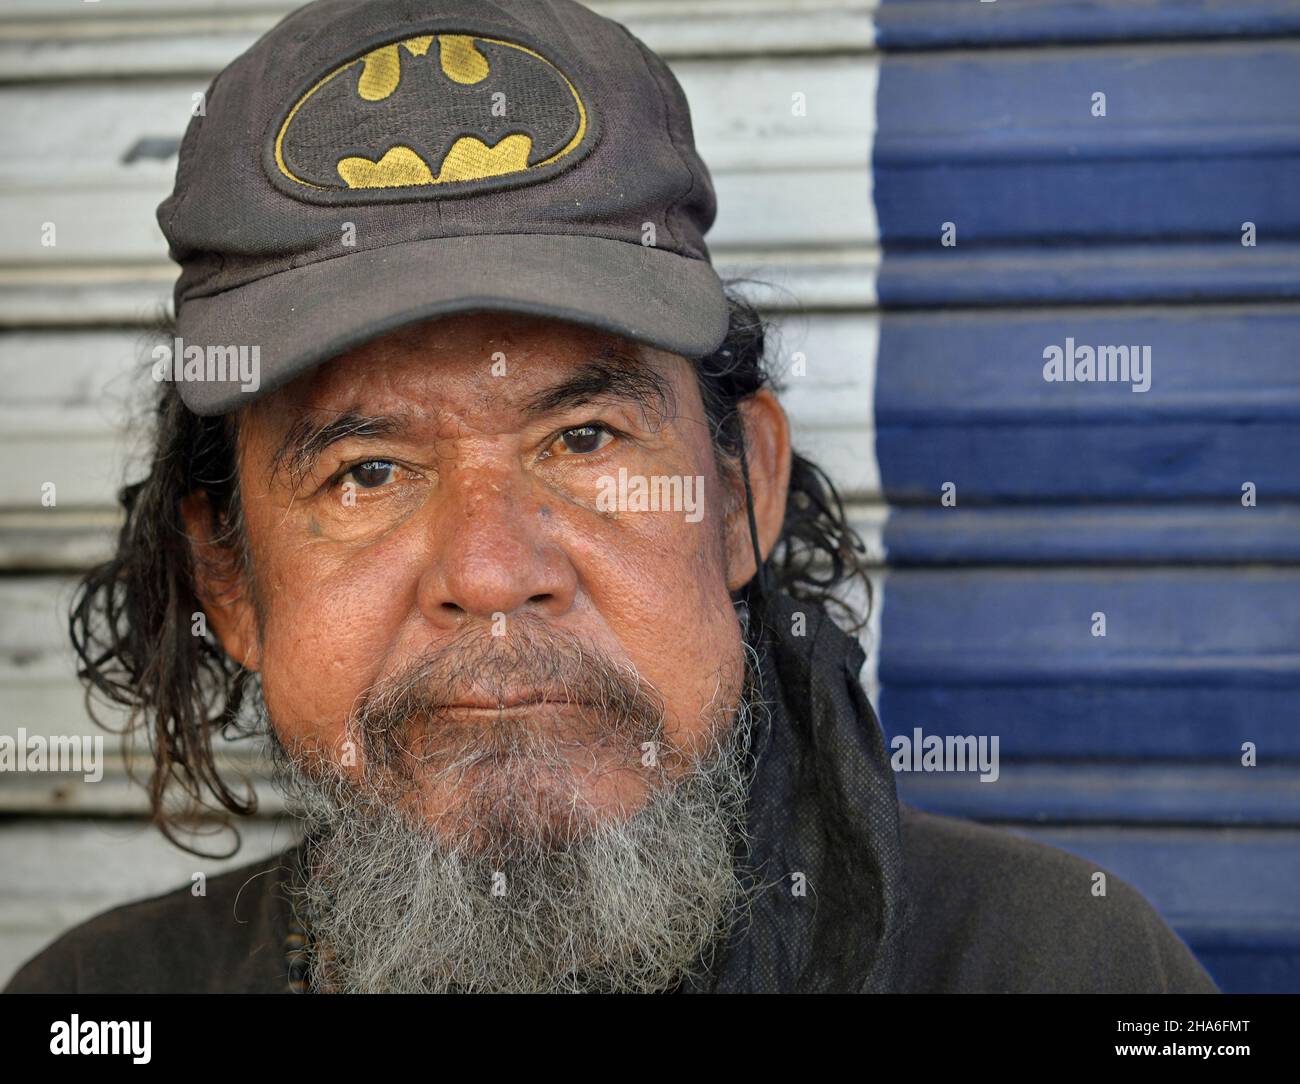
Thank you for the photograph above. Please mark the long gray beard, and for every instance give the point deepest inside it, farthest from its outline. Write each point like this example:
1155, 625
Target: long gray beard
627, 904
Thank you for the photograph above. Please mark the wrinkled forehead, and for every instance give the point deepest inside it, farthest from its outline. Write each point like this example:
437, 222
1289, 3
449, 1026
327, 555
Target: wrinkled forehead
487, 370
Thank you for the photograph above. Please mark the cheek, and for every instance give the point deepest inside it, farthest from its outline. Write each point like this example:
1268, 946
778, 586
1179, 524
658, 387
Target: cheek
328, 631
667, 603
707, 672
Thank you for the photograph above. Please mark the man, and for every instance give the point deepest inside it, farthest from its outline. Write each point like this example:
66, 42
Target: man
471, 480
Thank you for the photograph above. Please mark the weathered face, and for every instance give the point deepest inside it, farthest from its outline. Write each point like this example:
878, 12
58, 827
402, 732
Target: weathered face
504, 518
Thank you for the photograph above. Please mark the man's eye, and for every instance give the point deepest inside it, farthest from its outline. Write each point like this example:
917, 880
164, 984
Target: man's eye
371, 474
582, 440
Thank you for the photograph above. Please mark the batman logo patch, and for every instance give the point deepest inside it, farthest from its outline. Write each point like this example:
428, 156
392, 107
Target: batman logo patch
436, 115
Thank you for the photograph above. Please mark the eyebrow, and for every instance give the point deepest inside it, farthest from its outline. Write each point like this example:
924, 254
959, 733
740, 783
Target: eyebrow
612, 373
309, 437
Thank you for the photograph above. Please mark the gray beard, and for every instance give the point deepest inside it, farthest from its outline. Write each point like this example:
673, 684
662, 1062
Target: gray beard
618, 904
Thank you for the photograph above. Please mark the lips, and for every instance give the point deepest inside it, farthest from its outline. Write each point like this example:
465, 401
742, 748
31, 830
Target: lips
527, 701
515, 705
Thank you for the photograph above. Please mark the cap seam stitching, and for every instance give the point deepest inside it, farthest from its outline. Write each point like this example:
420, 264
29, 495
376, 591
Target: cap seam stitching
198, 134
671, 209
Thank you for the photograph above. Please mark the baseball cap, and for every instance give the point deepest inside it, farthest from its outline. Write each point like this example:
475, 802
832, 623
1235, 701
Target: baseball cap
365, 165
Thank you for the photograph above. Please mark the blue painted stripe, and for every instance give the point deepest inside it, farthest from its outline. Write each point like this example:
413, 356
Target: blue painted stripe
1100, 719
1120, 462
1057, 534
1224, 364
927, 24
1029, 105
1104, 274
962, 398
1194, 663
1005, 146
1113, 792
1258, 967
1225, 627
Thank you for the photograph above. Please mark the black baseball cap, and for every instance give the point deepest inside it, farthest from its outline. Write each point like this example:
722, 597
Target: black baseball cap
369, 164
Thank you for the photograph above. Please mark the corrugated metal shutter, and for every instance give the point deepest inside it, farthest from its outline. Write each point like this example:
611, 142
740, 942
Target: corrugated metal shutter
1075, 229
1123, 748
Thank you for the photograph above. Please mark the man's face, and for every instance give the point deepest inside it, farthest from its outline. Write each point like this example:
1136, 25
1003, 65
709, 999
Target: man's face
449, 494
491, 560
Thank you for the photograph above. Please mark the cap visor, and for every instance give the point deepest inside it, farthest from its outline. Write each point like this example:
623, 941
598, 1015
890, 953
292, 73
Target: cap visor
301, 317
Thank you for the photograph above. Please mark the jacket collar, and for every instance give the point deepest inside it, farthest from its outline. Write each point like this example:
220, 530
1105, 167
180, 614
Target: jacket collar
822, 805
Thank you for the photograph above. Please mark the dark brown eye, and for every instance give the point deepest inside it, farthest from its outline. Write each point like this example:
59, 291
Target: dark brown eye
372, 474
584, 439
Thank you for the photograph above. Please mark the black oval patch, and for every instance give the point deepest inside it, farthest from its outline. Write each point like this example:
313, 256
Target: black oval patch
431, 116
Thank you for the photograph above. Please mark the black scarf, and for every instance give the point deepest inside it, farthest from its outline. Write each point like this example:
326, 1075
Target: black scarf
822, 804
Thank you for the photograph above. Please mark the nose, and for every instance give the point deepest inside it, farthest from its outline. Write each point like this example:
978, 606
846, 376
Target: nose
491, 553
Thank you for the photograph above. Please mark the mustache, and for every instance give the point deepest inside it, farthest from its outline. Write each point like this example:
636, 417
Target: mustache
421, 706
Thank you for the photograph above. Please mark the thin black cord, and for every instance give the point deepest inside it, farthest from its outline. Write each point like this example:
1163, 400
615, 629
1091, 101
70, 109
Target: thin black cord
760, 567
